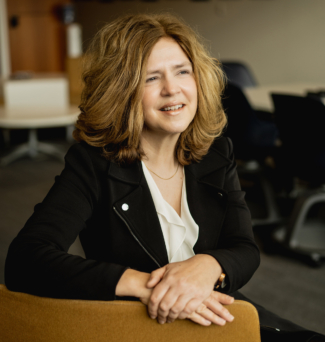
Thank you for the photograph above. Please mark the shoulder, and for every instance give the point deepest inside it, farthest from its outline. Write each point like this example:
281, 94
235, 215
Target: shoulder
218, 157
223, 146
83, 154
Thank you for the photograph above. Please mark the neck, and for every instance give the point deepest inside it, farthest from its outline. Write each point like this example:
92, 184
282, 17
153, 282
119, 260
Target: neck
160, 151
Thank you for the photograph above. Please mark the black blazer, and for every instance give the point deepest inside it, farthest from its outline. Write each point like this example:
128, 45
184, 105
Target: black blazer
87, 199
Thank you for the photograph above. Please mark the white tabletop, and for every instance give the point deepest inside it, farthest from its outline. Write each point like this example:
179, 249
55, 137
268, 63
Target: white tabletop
260, 97
37, 117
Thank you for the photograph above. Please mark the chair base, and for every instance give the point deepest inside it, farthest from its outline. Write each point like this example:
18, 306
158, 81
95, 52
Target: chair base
32, 149
303, 234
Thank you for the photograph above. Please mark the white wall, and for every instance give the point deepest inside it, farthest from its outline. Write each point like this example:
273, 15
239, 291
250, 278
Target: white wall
282, 40
4, 46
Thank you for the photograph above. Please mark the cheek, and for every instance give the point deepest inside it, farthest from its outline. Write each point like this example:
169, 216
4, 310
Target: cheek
145, 100
147, 107
191, 91
194, 89
194, 96
148, 100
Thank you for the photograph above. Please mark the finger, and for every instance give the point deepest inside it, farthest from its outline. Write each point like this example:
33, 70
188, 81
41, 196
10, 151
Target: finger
155, 277
165, 305
177, 308
210, 315
218, 309
217, 297
190, 307
195, 317
156, 296
225, 299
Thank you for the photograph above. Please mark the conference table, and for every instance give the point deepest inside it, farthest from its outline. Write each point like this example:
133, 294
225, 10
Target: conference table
33, 118
260, 97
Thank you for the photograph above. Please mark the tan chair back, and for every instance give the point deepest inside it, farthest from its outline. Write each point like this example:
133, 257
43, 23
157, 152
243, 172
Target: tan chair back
27, 318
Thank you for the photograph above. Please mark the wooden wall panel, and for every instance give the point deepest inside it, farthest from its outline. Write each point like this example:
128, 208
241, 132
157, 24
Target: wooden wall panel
37, 42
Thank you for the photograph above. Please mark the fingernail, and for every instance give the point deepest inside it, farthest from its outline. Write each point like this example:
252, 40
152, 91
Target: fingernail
161, 322
152, 317
207, 322
231, 317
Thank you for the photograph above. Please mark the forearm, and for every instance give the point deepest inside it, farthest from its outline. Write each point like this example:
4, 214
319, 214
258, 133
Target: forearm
238, 263
133, 283
236, 249
37, 268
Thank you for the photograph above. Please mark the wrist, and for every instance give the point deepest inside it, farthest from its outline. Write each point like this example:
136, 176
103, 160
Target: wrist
215, 266
132, 283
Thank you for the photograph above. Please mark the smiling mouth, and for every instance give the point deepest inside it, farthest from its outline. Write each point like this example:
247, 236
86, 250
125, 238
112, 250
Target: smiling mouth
172, 108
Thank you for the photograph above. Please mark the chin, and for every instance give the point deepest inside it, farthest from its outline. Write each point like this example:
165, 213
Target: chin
168, 128
177, 130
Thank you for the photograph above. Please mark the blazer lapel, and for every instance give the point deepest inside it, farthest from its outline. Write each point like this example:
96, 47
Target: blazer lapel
137, 210
206, 199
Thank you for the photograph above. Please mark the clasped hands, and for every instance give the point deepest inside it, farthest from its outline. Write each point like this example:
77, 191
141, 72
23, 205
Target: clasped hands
185, 290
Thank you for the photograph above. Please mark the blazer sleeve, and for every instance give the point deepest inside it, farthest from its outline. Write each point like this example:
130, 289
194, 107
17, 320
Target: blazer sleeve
37, 260
236, 249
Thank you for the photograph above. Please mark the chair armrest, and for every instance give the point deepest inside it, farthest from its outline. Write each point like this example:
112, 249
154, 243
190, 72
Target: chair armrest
30, 318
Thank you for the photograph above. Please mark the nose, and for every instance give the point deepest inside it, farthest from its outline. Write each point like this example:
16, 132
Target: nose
170, 86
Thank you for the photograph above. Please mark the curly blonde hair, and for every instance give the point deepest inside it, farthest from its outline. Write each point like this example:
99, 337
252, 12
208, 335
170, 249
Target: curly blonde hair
114, 76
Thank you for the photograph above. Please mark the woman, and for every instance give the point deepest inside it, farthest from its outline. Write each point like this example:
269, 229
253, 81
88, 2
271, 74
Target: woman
152, 188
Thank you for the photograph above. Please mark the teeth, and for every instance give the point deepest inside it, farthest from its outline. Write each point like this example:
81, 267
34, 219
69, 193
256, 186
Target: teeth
172, 108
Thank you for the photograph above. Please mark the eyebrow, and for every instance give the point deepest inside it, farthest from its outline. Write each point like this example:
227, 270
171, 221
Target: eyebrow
177, 66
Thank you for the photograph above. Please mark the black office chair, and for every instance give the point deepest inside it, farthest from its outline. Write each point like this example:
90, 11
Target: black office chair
301, 123
253, 138
239, 73
253, 141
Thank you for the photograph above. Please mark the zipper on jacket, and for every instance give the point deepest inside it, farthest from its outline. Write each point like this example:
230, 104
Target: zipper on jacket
130, 230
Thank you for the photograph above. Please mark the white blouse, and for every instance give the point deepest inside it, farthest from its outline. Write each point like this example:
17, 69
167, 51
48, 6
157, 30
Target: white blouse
180, 233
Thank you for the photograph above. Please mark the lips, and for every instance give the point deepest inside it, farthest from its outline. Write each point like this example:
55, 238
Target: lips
172, 107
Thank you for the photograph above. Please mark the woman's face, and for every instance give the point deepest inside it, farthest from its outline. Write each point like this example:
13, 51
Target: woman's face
170, 94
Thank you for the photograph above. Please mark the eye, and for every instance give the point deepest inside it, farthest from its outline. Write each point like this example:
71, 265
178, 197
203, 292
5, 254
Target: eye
151, 79
184, 72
